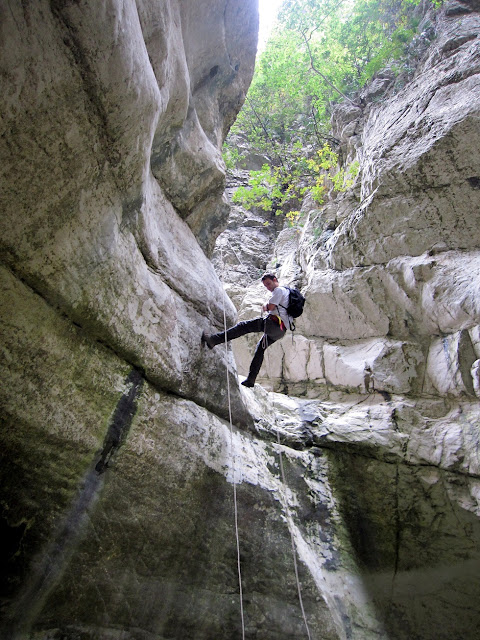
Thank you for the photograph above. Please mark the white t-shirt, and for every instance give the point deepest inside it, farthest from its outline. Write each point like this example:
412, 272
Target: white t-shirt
279, 298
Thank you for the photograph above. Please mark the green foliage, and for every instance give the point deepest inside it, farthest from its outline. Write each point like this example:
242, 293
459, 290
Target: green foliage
274, 188
230, 156
321, 52
264, 188
345, 178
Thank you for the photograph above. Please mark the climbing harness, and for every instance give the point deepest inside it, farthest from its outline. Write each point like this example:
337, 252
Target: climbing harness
235, 506
277, 321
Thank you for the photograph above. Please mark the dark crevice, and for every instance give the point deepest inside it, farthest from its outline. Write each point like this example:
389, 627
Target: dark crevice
11, 536
48, 569
397, 527
466, 358
121, 420
474, 182
73, 44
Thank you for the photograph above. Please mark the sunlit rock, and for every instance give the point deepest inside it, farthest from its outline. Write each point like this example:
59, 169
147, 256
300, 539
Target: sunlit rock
420, 158
100, 96
376, 364
382, 373
449, 365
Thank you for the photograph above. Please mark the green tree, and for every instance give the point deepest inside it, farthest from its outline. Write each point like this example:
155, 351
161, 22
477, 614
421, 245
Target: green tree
272, 188
322, 52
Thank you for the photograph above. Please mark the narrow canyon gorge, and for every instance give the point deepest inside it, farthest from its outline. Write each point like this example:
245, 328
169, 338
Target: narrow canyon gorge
129, 451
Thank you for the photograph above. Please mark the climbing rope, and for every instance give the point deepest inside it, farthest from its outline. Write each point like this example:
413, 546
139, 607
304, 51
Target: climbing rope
287, 509
235, 506
292, 540
237, 537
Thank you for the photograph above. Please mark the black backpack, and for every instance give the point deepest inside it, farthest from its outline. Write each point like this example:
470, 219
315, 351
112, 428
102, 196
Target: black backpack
296, 303
295, 306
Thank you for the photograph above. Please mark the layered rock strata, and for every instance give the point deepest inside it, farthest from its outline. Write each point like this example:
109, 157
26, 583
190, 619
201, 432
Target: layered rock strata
391, 269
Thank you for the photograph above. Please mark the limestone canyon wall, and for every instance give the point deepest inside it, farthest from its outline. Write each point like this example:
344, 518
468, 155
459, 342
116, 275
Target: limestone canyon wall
117, 459
384, 365
112, 119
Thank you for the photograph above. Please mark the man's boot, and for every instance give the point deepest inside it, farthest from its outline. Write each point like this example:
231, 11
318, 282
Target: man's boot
208, 340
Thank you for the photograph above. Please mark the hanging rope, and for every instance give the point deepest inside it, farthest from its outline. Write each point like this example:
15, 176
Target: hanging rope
237, 538
292, 539
299, 588
235, 507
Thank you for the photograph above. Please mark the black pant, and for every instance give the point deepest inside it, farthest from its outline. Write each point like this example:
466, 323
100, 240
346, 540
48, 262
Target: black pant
267, 326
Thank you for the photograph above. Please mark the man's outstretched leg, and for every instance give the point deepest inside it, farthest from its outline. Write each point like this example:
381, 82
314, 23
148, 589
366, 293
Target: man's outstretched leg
257, 360
257, 325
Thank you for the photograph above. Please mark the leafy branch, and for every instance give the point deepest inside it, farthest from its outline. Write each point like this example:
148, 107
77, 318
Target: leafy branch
319, 47
274, 188
319, 73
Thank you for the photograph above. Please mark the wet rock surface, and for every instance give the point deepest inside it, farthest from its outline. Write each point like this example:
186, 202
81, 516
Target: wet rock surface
112, 119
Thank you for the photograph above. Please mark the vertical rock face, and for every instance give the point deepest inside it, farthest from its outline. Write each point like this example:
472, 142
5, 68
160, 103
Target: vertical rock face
391, 268
112, 119
384, 364
112, 171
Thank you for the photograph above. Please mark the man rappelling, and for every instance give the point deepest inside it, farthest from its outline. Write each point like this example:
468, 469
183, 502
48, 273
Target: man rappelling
273, 326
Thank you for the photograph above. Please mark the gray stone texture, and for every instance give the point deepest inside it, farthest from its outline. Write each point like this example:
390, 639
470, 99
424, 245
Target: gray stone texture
383, 370
117, 460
